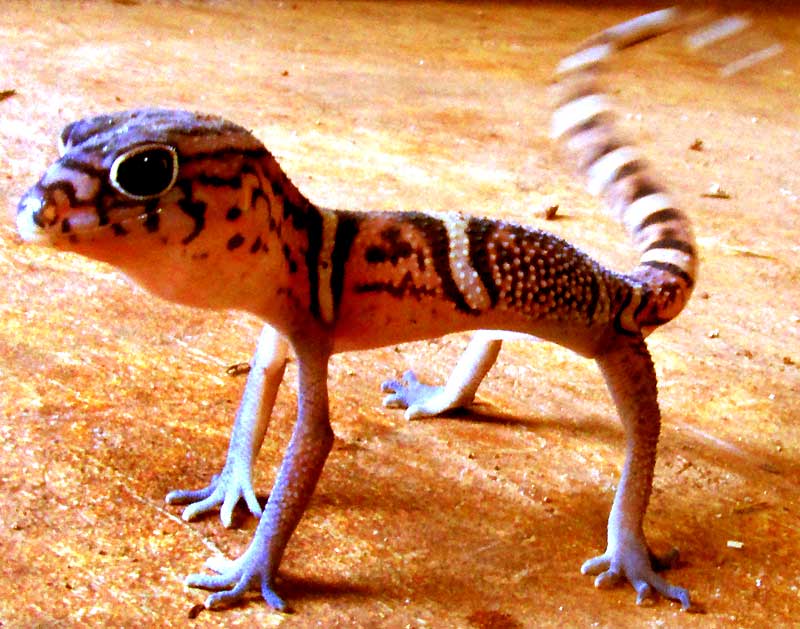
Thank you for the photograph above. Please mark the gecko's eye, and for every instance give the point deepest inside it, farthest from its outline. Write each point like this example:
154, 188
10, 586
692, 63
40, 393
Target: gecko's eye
145, 172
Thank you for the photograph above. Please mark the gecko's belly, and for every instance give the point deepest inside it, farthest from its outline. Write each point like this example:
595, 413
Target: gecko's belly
369, 326
378, 323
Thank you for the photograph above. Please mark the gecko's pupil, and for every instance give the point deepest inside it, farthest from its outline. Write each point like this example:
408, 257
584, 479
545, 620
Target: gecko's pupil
145, 173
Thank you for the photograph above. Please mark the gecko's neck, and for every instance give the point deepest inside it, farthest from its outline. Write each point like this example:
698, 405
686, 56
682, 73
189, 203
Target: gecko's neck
232, 233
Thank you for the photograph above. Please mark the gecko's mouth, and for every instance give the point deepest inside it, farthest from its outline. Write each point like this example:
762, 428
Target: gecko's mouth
39, 222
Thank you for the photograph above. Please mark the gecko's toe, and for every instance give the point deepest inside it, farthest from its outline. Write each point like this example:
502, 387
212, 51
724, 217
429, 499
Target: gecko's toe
633, 563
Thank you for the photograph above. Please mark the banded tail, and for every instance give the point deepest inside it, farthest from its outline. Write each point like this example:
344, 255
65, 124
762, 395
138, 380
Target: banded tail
616, 170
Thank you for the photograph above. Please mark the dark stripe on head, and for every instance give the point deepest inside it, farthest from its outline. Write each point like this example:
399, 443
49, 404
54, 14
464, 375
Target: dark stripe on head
48, 194
234, 182
74, 163
221, 155
196, 210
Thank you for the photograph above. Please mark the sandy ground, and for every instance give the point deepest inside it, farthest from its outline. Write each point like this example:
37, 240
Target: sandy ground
110, 397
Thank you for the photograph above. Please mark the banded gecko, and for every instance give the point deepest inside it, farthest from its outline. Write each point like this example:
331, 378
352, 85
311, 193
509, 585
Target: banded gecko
197, 210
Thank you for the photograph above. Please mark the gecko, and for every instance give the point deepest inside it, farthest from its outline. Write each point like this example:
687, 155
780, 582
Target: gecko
194, 208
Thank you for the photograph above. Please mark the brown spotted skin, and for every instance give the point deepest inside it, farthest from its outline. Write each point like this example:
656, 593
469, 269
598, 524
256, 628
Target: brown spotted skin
197, 210
398, 279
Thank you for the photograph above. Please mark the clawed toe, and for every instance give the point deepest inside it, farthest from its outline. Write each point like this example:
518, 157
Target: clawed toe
608, 579
224, 491
233, 580
186, 496
610, 571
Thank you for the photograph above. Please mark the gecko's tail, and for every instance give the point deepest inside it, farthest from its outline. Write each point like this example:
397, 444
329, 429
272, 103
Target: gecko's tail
615, 170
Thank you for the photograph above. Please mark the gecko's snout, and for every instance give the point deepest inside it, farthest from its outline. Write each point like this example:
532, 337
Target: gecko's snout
32, 218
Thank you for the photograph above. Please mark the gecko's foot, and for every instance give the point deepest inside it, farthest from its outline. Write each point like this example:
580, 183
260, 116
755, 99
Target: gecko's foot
234, 579
637, 566
419, 400
225, 490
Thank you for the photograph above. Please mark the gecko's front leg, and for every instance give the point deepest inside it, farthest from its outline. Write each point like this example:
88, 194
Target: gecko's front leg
235, 481
629, 373
302, 465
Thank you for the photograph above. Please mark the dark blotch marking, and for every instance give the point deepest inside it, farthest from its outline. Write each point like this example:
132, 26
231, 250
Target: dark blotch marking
478, 232
65, 226
439, 242
421, 263
392, 249
620, 309
256, 246
405, 288
257, 194
287, 253
346, 232
236, 241
310, 219
152, 223
196, 210
153, 220
233, 214
645, 301
118, 229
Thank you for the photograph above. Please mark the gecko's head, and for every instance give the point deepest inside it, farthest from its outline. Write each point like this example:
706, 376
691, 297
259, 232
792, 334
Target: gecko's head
158, 193
121, 173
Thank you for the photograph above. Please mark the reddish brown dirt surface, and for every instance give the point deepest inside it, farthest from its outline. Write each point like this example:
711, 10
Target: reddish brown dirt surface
110, 397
